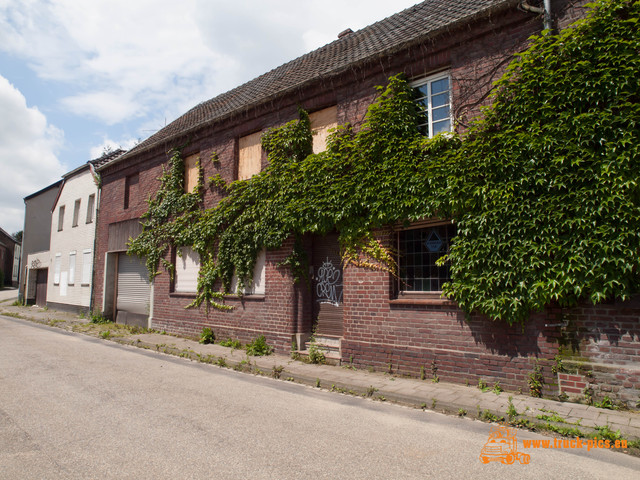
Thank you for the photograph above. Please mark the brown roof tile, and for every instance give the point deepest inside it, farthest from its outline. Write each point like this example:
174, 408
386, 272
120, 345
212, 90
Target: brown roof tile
383, 37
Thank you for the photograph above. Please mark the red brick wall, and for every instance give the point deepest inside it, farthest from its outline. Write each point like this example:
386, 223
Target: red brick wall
379, 331
599, 343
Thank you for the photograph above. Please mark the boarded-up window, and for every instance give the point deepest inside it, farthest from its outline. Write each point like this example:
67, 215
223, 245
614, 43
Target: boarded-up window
250, 156
257, 286
56, 269
72, 268
321, 122
87, 264
187, 268
191, 173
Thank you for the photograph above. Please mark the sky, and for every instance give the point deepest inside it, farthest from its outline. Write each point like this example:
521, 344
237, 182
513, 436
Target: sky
79, 76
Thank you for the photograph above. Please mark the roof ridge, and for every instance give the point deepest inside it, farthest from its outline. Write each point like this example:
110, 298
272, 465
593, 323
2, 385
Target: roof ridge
384, 36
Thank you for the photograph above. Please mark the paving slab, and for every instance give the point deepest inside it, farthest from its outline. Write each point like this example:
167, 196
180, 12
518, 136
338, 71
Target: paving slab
442, 396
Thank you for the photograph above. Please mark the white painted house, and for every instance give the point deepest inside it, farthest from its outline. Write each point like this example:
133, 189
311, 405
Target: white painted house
73, 233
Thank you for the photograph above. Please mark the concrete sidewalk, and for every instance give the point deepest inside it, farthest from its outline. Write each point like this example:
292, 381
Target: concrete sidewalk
566, 418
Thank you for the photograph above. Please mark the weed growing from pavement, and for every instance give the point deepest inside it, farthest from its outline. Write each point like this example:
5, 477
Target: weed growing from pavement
482, 385
207, 336
259, 347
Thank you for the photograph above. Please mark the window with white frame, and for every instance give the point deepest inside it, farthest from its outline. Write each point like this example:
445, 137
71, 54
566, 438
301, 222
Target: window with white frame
433, 95
72, 268
56, 269
60, 218
418, 251
187, 268
91, 204
87, 266
76, 213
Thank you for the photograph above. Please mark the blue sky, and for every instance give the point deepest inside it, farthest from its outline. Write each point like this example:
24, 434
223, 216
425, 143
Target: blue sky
77, 76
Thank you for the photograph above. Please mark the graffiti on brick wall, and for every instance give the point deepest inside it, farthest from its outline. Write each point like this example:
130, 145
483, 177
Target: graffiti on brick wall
329, 283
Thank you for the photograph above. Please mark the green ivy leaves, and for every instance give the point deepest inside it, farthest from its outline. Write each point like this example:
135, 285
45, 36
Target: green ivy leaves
543, 189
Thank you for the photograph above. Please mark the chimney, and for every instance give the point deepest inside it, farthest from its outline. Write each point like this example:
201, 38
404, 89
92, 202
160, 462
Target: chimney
344, 33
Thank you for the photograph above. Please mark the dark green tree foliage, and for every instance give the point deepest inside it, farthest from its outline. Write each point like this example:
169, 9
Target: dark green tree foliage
547, 198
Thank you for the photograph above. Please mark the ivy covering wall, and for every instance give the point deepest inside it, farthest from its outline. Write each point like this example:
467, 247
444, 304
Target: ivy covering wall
543, 188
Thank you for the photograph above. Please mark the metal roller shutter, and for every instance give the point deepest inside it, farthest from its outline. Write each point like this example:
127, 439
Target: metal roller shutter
133, 285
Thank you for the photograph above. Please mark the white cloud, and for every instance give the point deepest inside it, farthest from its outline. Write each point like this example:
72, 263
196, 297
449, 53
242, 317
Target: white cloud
28, 161
109, 144
135, 58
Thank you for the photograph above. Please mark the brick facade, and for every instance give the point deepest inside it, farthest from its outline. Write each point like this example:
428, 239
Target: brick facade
599, 344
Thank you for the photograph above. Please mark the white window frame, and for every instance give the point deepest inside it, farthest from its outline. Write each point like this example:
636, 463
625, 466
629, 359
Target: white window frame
91, 204
428, 108
187, 265
258, 282
76, 212
56, 269
61, 218
72, 268
87, 266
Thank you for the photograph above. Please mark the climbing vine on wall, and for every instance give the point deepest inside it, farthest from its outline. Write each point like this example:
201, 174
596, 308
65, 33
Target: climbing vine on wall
543, 188
546, 195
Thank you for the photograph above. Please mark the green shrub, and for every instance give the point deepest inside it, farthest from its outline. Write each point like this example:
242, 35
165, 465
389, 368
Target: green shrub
316, 355
231, 343
259, 347
98, 318
207, 336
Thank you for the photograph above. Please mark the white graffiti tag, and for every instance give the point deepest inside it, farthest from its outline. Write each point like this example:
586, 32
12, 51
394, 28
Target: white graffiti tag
329, 286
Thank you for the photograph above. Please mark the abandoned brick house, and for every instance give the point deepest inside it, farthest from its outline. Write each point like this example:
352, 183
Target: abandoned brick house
451, 52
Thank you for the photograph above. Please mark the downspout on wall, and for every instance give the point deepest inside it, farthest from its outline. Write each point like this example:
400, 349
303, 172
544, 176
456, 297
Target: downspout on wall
545, 11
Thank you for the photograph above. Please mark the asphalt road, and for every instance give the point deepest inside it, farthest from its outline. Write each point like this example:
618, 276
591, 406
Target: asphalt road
73, 406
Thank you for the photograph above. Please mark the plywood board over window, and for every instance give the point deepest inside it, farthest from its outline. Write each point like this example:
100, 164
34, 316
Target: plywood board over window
250, 156
321, 122
191, 172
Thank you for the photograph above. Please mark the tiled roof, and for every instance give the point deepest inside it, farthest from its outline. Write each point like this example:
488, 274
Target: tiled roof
381, 38
106, 157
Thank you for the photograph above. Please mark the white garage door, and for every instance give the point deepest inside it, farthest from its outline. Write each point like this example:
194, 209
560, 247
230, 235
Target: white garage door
133, 290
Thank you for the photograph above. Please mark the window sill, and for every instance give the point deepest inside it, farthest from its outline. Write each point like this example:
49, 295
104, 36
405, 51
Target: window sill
249, 296
183, 294
422, 298
85, 284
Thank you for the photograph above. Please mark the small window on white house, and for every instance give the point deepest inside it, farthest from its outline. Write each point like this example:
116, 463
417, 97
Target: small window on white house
56, 269
321, 122
87, 267
249, 156
91, 205
187, 269
60, 218
76, 213
72, 268
433, 95
257, 286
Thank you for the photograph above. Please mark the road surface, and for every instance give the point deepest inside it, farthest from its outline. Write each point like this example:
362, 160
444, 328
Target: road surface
72, 406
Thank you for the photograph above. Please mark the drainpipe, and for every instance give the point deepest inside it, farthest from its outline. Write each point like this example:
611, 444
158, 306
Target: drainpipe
545, 11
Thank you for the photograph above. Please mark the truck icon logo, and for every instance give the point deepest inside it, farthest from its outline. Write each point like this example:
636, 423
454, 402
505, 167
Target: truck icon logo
502, 446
